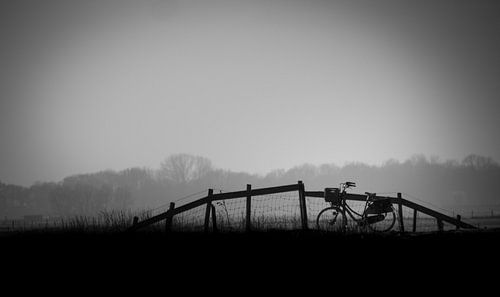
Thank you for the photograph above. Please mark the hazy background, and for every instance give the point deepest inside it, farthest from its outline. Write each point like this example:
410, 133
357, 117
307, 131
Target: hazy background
251, 85
467, 187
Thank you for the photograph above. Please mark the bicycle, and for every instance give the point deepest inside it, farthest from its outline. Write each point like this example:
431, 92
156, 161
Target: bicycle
378, 213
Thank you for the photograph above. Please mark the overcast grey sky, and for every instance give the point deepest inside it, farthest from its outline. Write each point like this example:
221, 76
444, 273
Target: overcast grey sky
252, 85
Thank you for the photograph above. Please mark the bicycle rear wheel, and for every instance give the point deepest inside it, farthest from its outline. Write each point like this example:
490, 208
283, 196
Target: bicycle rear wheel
331, 219
383, 224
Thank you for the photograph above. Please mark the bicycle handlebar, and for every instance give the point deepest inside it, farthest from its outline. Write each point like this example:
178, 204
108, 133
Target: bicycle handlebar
350, 184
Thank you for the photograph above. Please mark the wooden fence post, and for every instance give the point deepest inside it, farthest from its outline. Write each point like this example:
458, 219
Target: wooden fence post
459, 218
168, 220
214, 218
440, 225
303, 208
207, 211
400, 212
414, 221
248, 224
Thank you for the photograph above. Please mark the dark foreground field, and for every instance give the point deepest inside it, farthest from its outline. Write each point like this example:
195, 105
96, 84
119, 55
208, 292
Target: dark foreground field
285, 260
294, 247
237, 263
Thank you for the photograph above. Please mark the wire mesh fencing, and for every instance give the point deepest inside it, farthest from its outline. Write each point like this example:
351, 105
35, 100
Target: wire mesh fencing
273, 211
281, 209
191, 220
418, 221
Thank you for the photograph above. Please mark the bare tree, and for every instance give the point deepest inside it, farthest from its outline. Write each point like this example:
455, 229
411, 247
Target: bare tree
182, 168
479, 162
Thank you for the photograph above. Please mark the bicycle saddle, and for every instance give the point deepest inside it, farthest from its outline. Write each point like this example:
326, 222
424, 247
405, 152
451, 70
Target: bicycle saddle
370, 194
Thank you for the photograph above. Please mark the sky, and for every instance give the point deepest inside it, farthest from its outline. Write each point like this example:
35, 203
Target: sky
252, 85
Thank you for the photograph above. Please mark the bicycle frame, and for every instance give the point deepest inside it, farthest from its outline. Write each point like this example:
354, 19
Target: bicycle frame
347, 209
373, 211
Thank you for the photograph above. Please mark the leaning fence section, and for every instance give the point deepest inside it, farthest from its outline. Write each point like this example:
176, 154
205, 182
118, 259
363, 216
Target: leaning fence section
269, 211
281, 207
414, 221
189, 220
257, 209
286, 207
276, 211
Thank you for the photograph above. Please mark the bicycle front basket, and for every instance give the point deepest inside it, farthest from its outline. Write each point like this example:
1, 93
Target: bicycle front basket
332, 195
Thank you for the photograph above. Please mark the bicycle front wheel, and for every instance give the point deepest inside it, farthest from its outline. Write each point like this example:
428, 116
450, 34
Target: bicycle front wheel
331, 219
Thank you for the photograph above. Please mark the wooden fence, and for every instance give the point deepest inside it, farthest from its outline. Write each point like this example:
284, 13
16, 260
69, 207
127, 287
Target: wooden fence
249, 193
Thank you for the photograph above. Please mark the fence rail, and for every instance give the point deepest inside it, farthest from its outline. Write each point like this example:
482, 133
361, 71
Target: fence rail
249, 194
404, 202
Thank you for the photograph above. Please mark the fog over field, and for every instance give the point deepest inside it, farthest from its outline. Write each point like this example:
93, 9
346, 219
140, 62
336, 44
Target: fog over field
100, 97
466, 187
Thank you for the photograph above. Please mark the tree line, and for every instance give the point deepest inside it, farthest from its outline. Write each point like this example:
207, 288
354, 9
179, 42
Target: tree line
471, 181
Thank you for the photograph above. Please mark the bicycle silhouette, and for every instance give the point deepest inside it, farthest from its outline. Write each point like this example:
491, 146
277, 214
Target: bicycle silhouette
378, 213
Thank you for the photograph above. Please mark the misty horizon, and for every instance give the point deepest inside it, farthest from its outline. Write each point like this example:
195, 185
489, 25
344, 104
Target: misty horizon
463, 186
413, 158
